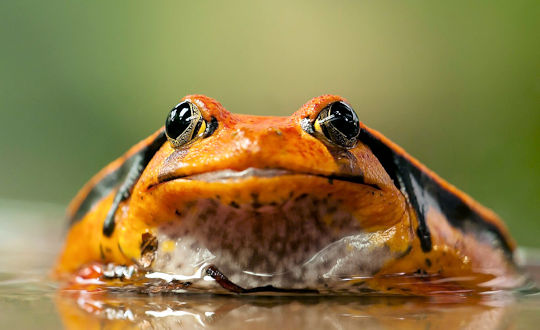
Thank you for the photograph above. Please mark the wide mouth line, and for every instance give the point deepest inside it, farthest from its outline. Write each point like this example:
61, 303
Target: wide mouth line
229, 174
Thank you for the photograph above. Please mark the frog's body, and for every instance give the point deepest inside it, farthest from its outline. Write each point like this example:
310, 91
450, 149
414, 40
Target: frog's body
267, 204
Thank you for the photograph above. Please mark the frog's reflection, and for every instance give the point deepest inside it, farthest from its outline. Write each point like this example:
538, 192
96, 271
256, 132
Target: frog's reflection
101, 310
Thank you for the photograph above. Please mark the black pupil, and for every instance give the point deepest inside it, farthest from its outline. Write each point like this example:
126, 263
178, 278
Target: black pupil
178, 120
344, 119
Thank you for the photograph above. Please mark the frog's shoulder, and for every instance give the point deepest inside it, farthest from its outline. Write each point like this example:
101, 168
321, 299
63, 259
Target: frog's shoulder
109, 179
425, 189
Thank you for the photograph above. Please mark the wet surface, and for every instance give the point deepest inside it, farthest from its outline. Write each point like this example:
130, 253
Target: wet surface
30, 237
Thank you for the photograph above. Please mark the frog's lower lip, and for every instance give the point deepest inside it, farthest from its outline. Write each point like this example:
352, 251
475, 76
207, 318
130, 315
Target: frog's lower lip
228, 175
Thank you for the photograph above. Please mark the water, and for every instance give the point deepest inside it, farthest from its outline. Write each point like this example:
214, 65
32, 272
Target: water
30, 236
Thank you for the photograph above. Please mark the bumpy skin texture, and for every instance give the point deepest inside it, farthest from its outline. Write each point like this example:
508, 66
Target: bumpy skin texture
391, 211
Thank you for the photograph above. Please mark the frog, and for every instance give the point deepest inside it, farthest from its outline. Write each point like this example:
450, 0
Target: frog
312, 203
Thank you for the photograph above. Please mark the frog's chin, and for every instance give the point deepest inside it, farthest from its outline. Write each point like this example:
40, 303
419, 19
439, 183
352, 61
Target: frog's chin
303, 244
271, 228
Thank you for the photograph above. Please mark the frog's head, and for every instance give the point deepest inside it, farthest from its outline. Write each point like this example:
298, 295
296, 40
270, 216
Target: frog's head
206, 143
282, 201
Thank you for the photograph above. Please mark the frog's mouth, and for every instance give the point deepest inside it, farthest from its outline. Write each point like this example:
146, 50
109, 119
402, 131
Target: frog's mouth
305, 241
228, 174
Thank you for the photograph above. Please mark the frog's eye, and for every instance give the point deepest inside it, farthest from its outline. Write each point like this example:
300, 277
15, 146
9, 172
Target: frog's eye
339, 124
184, 124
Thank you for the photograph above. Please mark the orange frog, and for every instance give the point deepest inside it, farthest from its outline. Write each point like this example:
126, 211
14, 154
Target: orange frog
312, 203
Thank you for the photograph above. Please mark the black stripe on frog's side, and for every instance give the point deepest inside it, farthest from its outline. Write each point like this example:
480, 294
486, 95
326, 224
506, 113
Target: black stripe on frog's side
125, 176
422, 191
135, 165
101, 189
401, 172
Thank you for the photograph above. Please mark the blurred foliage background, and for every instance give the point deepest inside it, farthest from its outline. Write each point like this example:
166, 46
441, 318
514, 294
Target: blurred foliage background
456, 83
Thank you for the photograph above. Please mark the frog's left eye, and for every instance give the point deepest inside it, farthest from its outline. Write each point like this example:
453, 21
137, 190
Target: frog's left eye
339, 124
184, 124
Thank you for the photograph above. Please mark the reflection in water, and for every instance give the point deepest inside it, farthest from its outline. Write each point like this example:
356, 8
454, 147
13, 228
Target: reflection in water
101, 310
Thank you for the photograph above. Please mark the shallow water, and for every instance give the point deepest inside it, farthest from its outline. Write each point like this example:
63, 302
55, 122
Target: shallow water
31, 234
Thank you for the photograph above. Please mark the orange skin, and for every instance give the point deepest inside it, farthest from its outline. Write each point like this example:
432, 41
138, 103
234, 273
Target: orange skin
245, 141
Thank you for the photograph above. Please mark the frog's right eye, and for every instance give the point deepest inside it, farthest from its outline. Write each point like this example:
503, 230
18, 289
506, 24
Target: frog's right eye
184, 124
338, 124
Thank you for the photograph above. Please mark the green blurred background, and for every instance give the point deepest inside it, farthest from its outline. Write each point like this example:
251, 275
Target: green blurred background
457, 84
